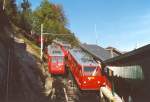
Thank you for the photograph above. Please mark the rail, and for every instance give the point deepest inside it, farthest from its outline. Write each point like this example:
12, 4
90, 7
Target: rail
9, 62
66, 95
8, 72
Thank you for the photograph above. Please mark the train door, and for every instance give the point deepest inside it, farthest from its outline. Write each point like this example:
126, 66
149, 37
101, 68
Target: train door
72, 64
79, 74
53, 63
75, 70
60, 63
49, 64
60, 60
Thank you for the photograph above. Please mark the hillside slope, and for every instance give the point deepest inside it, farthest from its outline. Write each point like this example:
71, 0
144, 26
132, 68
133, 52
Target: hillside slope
21, 79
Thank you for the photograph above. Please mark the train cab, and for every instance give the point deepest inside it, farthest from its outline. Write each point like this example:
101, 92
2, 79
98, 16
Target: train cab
92, 78
56, 63
86, 71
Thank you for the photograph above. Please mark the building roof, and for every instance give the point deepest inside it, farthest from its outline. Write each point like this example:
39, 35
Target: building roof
97, 51
115, 52
137, 52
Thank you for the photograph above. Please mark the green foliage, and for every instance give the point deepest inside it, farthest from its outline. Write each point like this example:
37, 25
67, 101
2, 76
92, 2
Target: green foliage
21, 17
52, 16
49, 14
25, 16
11, 10
54, 20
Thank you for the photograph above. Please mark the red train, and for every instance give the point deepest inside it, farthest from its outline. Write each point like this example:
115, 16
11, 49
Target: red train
56, 63
85, 70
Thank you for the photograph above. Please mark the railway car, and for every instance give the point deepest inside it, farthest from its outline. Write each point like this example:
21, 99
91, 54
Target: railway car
85, 70
56, 63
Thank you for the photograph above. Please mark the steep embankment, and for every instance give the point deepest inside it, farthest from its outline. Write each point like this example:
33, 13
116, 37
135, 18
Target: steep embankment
4, 46
21, 79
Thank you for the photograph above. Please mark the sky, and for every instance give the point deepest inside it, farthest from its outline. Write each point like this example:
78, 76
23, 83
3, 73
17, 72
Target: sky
123, 24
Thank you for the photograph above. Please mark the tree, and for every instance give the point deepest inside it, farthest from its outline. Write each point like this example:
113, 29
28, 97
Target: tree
54, 20
25, 16
11, 10
52, 16
19, 16
49, 14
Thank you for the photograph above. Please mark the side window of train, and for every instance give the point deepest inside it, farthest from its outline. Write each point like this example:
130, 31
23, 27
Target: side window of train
66, 58
80, 72
75, 68
54, 59
75, 65
49, 59
60, 59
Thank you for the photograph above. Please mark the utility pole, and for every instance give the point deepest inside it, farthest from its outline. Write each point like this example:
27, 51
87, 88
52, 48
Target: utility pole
41, 42
3, 4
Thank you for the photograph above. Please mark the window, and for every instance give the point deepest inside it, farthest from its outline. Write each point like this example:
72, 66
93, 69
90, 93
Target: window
57, 52
60, 59
88, 69
54, 59
91, 71
80, 73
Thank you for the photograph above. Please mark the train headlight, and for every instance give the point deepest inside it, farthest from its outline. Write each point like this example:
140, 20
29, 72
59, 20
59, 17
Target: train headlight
84, 82
59, 64
104, 83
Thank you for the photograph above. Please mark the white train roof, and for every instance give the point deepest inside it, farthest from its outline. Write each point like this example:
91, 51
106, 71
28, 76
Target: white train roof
82, 57
61, 42
54, 50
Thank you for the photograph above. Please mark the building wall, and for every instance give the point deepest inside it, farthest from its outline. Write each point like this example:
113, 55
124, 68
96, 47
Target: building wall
138, 89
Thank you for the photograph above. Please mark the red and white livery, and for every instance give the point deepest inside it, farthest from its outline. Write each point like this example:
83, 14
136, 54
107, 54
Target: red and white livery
85, 70
56, 63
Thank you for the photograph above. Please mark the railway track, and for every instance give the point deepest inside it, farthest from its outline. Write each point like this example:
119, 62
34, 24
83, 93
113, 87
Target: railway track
63, 92
87, 72
9, 70
8, 74
67, 91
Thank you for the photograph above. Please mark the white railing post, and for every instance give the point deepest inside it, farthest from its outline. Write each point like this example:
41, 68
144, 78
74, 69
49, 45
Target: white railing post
41, 42
3, 4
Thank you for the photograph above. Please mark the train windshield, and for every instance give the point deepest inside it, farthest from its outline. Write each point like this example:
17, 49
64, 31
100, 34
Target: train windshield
66, 47
57, 59
60, 59
54, 59
91, 71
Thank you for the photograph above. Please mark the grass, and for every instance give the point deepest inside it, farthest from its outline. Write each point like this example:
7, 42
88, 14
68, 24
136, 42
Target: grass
31, 44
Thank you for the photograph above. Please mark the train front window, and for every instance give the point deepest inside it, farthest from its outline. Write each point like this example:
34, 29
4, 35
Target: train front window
54, 59
91, 71
66, 47
60, 59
